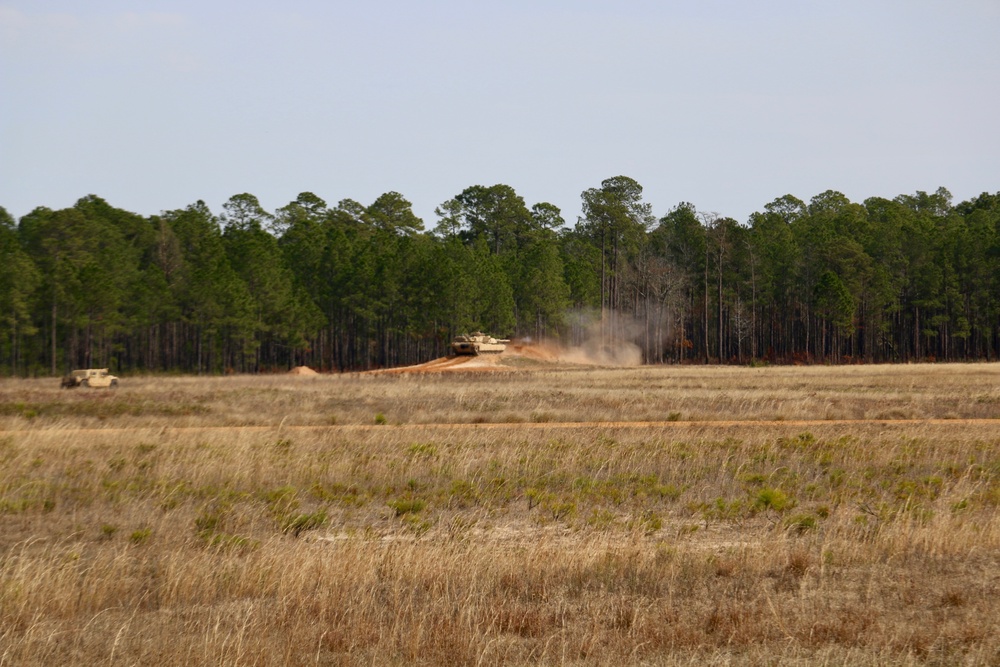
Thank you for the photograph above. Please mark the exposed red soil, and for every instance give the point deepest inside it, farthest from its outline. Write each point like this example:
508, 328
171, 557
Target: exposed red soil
482, 362
486, 362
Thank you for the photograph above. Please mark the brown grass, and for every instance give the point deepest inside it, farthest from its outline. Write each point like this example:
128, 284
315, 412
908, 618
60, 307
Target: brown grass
126, 539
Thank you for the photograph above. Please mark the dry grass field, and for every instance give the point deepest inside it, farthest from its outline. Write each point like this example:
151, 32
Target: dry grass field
529, 514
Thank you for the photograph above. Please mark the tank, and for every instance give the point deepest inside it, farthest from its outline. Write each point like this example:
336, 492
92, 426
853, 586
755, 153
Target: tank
477, 343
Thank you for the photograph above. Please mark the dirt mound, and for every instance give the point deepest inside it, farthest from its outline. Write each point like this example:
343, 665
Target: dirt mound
302, 370
534, 352
589, 354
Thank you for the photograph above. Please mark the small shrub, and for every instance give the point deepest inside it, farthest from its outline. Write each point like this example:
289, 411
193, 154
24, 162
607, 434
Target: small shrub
302, 522
140, 536
462, 492
535, 497
650, 522
402, 506
380, 419
755, 478
720, 510
601, 519
417, 524
169, 503
561, 509
773, 499
668, 491
282, 500
210, 518
422, 449
800, 523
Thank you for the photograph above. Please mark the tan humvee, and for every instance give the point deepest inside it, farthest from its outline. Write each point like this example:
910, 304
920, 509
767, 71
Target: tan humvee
90, 377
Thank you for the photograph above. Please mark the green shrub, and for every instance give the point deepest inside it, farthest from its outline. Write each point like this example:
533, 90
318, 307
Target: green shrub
403, 506
800, 523
140, 536
773, 499
299, 523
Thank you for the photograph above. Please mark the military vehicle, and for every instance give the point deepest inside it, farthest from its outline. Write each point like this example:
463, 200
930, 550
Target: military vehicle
477, 343
89, 377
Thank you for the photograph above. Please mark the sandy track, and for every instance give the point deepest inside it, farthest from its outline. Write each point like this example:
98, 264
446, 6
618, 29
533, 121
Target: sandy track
482, 362
491, 361
810, 423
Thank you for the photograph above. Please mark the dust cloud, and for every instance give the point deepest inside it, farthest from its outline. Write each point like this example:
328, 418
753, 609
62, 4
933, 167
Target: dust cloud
607, 342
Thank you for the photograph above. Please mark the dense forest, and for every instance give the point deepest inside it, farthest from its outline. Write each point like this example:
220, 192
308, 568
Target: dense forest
353, 287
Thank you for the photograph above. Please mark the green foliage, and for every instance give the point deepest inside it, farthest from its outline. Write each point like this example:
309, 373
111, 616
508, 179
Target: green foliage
402, 506
650, 522
601, 519
209, 520
423, 449
298, 523
140, 536
231, 543
719, 510
463, 493
801, 523
773, 499
558, 507
281, 500
417, 524
358, 286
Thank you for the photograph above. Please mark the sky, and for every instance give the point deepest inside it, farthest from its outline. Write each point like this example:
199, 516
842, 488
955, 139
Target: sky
725, 104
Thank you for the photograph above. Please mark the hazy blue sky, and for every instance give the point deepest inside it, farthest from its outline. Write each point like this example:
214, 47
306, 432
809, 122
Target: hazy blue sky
726, 104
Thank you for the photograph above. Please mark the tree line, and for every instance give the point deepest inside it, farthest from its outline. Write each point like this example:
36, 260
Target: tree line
354, 286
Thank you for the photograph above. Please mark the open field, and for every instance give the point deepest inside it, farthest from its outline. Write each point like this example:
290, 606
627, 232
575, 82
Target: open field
533, 513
